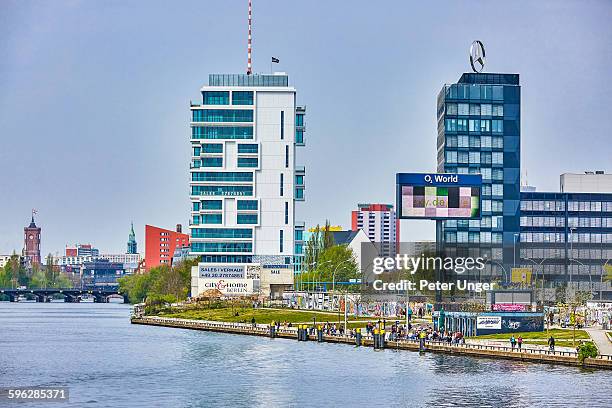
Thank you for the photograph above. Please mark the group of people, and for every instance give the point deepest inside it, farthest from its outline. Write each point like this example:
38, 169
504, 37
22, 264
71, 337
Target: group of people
516, 341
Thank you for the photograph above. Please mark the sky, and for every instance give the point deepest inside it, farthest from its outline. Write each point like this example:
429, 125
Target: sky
94, 100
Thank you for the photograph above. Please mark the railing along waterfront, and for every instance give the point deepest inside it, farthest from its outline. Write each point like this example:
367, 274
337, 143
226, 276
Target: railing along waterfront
483, 350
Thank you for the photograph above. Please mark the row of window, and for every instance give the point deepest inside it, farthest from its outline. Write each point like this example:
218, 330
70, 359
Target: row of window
461, 157
466, 109
474, 125
222, 233
572, 222
217, 218
475, 92
494, 142
560, 253
554, 205
222, 176
496, 222
222, 132
473, 237
560, 237
222, 97
222, 115
222, 247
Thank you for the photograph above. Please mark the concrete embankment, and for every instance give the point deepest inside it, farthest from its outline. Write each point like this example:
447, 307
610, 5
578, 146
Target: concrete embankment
541, 356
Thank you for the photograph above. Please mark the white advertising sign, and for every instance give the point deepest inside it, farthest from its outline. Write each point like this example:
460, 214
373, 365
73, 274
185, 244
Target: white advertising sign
488, 322
221, 272
229, 287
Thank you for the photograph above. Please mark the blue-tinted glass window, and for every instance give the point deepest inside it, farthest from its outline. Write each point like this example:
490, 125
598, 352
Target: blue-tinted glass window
212, 162
212, 204
248, 148
222, 233
212, 147
299, 180
248, 161
497, 126
196, 220
197, 151
247, 204
299, 119
211, 218
242, 98
229, 176
498, 93
246, 219
299, 235
222, 247
222, 115
222, 190
197, 163
299, 193
216, 97
222, 132
299, 136
196, 206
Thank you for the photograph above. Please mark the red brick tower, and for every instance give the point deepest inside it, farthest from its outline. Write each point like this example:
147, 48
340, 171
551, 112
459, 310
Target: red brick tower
31, 242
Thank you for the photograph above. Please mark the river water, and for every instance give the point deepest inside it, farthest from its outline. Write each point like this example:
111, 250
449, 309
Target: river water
106, 362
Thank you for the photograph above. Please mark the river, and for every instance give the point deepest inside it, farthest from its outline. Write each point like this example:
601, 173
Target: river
106, 362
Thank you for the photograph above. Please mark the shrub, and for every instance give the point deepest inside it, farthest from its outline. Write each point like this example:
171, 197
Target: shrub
586, 350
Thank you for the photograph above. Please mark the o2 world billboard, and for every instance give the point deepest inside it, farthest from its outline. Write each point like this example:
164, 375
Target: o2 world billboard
438, 196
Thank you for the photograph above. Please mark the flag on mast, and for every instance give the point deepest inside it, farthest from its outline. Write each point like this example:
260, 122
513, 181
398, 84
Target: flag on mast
275, 60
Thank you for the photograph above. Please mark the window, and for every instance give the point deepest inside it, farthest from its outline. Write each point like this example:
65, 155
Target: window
216, 97
485, 158
462, 125
451, 108
281, 184
222, 247
498, 110
282, 125
474, 110
498, 158
451, 125
246, 219
211, 218
222, 233
212, 162
299, 180
498, 189
462, 157
474, 157
212, 147
463, 141
287, 156
248, 162
299, 193
222, 132
486, 173
299, 119
474, 141
197, 151
197, 163
485, 125
451, 157
230, 176
286, 212
463, 109
299, 136
485, 141
195, 206
242, 97
247, 205
485, 109
222, 190
211, 204
474, 125
280, 241
497, 126
222, 115
248, 148
498, 142
451, 141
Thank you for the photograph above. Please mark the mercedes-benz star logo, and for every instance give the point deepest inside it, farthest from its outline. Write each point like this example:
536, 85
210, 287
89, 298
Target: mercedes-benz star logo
477, 56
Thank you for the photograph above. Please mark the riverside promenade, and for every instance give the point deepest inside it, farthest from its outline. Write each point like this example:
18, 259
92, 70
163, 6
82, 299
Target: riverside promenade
476, 350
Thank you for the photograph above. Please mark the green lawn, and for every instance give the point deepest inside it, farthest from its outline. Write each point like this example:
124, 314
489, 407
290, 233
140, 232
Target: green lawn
562, 337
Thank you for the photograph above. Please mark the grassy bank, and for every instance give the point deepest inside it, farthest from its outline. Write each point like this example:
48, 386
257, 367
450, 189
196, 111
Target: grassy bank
562, 337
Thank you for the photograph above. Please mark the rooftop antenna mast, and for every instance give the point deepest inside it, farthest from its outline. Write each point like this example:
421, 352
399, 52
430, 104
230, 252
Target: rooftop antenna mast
249, 72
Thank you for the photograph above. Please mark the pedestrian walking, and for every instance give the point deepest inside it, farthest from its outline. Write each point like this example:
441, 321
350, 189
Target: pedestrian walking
519, 341
551, 343
512, 342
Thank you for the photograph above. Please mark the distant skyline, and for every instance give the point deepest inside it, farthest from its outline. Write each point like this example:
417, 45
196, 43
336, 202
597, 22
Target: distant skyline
94, 100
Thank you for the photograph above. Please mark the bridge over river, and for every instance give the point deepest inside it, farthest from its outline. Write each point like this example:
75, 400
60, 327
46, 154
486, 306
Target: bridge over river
71, 295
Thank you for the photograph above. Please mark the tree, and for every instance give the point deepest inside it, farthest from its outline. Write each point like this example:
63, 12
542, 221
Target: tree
339, 259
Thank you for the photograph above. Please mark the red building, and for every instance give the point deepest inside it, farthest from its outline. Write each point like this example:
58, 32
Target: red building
31, 242
160, 244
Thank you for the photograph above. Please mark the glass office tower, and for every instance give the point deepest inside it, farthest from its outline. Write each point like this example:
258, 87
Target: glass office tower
479, 132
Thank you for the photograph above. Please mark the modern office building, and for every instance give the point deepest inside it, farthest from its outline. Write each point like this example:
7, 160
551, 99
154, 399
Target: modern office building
160, 245
82, 250
244, 179
31, 243
380, 224
479, 133
132, 246
566, 237
101, 273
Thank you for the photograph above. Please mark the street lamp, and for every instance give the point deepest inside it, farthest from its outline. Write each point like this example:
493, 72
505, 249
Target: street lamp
334, 287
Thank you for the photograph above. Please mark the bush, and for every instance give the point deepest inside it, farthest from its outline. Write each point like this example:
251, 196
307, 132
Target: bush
587, 350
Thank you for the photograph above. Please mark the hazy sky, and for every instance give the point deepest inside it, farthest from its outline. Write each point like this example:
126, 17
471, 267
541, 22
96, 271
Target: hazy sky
94, 99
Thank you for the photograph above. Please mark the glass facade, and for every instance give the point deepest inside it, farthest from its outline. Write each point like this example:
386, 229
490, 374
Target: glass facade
479, 133
567, 238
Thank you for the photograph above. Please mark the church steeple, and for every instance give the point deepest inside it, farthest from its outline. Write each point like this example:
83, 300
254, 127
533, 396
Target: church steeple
131, 245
